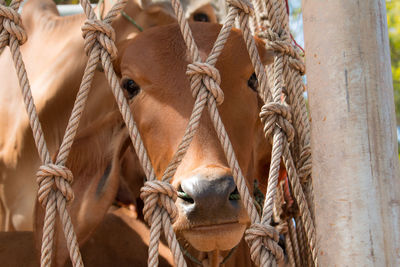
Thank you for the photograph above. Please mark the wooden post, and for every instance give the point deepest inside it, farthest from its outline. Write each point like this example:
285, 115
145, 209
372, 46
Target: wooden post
354, 140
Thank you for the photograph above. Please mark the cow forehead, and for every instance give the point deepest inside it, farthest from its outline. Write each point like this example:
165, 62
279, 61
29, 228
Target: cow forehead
162, 51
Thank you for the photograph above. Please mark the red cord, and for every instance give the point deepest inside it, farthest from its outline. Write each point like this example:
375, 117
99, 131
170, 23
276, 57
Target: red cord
287, 6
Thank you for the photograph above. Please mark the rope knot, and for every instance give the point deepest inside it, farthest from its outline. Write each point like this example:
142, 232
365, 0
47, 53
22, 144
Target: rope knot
278, 42
209, 75
297, 64
282, 43
96, 30
273, 114
49, 174
260, 236
11, 25
158, 193
242, 5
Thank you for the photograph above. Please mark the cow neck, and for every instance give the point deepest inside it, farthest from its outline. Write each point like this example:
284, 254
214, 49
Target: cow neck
214, 258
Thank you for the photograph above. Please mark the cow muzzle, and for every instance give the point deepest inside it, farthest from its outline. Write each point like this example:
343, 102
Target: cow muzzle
211, 214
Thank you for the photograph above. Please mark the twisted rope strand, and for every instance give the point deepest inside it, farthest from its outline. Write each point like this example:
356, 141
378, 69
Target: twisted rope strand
12, 31
212, 108
259, 255
48, 230
11, 24
159, 196
199, 89
79, 105
232, 162
190, 131
301, 201
289, 250
200, 93
301, 241
107, 54
255, 58
93, 49
274, 23
155, 229
186, 32
19, 65
156, 194
212, 103
294, 241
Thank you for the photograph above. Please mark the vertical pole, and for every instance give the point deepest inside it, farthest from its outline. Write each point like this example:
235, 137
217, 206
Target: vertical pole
354, 141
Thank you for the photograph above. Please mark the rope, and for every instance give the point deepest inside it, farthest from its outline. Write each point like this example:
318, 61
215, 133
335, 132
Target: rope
158, 215
209, 76
12, 33
274, 23
289, 250
11, 25
294, 241
204, 79
306, 217
62, 178
256, 237
156, 193
288, 128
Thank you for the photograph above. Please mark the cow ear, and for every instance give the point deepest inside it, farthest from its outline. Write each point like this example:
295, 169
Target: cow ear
121, 47
266, 55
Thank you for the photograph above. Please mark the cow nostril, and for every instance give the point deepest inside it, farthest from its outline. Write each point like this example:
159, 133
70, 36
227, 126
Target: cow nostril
183, 195
234, 195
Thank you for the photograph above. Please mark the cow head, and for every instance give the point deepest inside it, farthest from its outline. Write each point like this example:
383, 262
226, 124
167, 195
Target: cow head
153, 74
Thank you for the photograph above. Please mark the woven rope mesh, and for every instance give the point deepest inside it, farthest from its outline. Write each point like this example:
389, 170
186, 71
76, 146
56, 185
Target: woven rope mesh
283, 115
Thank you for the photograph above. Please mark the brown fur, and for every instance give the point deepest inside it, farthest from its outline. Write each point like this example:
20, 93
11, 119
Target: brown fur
95, 150
55, 61
162, 111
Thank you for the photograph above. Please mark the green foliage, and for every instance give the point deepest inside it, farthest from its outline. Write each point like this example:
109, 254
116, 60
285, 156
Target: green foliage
393, 17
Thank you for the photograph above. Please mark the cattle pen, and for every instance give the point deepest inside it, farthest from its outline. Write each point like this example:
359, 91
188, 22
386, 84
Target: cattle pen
338, 154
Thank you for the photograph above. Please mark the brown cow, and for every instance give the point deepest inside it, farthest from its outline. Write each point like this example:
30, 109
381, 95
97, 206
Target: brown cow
120, 240
152, 67
55, 61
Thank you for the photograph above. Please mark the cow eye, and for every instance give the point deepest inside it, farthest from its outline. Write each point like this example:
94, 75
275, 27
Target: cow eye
253, 82
201, 17
131, 87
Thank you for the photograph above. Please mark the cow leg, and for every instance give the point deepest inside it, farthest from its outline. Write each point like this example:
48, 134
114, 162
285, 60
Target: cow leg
6, 218
4, 212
